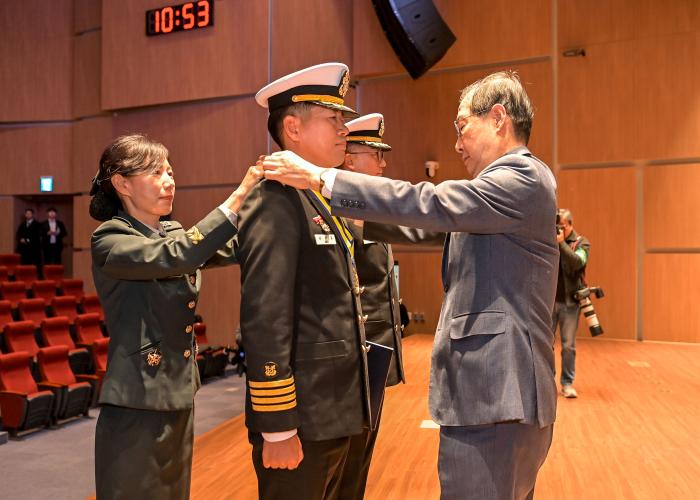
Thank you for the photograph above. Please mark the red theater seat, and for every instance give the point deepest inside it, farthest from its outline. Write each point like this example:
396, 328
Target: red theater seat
10, 260
91, 304
14, 291
44, 289
19, 336
23, 404
32, 310
56, 332
87, 328
26, 274
75, 395
72, 287
65, 306
4, 273
53, 272
5, 313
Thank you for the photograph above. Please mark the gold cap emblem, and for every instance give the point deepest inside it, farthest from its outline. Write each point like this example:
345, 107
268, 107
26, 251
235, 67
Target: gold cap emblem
381, 128
270, 369
345, 84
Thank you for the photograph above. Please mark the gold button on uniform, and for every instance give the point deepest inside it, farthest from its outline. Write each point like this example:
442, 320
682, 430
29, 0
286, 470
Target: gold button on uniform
191, 304
187, 353
188, 329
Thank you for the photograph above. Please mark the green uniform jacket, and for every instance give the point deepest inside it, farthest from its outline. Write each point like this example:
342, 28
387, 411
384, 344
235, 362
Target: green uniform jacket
148, 284
380, 300
301, 318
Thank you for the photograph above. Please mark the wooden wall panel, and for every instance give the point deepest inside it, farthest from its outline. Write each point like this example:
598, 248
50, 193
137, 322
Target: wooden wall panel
7, 224
599, 110
308, 32
86, 74
420, 287
603, 203
36, 54
665, 130
670, 311
30, 152
90, 137
478, 26
419, 118
87, 15
82, 222
586, 22
82, 269
229, 58
209, 143
670, 206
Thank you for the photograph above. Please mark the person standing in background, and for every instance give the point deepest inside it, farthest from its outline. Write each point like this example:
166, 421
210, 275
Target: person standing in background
52, 233
29, 240
380, 296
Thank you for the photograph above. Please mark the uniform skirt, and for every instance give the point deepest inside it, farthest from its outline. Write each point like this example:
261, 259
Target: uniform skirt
143, 453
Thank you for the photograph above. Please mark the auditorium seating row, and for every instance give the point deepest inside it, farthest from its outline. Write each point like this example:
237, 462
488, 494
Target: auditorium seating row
47, 289
37, 309
12, 270
71, 370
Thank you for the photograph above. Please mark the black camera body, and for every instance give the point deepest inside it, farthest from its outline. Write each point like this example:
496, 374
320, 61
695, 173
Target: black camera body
583, 297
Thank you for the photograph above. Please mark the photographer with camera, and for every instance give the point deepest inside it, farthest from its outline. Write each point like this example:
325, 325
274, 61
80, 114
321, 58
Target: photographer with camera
573, 257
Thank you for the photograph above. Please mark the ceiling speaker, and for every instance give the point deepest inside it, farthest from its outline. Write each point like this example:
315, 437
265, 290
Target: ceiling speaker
416, 32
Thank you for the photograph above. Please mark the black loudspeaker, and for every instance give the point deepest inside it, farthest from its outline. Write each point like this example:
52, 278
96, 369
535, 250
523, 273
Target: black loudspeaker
416, 32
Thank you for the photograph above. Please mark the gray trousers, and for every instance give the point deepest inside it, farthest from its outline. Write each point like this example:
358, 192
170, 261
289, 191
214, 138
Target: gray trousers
567, 319
491, 462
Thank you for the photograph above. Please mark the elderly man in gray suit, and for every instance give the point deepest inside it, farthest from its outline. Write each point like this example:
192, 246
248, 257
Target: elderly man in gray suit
492, 386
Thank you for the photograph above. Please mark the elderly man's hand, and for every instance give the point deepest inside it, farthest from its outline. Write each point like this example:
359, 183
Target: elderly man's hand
291, 169
286, 454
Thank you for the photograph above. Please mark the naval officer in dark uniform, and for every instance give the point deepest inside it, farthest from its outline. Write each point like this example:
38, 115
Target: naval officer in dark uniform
147, 276
301, 317
380, 296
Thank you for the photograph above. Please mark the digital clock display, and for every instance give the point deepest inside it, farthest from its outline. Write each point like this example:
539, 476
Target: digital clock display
183, 17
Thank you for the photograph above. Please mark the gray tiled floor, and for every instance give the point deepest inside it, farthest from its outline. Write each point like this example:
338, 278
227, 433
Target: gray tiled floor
58, 463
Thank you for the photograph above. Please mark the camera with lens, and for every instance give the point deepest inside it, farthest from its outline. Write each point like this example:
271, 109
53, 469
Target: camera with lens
559, 224
583, 297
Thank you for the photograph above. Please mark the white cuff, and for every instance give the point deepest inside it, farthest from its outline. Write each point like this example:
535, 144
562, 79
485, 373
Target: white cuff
328, 181
274, 437
230, 214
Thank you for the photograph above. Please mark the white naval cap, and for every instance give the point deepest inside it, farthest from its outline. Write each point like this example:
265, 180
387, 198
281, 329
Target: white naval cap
368, 130
324, 84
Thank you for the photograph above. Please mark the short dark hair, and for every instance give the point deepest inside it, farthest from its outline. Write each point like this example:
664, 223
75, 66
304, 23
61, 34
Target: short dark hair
277, 116
566, 215
502, 88
28, 210
127, 155
51, 209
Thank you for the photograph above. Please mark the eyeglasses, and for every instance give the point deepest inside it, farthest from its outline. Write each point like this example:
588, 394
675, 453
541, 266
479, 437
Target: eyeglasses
379, 153
456, 122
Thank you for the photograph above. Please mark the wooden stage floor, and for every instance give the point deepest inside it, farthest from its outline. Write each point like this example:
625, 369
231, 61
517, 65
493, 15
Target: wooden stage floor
629, 434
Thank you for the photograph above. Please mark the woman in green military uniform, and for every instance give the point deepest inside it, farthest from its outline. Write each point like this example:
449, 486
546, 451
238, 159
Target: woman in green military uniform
147, 274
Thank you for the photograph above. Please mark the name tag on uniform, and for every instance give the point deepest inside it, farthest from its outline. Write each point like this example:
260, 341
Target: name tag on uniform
325, 239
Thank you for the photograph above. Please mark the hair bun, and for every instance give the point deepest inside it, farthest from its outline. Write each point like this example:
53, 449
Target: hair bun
103, 207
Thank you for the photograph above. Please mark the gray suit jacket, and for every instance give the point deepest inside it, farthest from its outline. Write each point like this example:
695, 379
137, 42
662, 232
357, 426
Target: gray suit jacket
493, 357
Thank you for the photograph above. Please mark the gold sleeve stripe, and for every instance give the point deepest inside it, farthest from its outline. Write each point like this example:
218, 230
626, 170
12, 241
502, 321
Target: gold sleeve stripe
281, 407
282, 399
329, 99
270, 384
272, 392
363, 138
